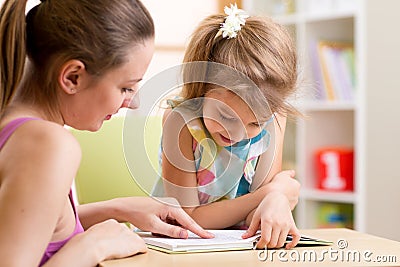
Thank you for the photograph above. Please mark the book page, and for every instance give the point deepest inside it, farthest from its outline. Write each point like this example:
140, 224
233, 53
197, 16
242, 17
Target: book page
221, 237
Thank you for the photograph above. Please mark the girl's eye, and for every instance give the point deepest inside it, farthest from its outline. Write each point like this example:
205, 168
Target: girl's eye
224, 118
127, 90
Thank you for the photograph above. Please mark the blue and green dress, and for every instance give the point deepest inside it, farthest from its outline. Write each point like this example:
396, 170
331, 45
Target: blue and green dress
223, 172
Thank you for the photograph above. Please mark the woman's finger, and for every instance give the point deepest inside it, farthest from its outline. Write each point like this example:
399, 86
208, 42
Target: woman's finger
188, 223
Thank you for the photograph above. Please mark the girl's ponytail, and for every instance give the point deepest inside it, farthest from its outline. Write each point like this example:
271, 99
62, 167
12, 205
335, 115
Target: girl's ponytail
12, 49
201, 47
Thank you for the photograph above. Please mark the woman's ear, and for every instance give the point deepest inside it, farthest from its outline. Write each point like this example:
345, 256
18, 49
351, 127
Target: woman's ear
71, 76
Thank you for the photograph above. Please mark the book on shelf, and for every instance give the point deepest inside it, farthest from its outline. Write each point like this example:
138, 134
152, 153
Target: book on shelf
335, 215
224, 240
333, 70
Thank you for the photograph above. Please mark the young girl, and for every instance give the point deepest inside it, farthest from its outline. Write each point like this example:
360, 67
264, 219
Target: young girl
222, 138
84, 60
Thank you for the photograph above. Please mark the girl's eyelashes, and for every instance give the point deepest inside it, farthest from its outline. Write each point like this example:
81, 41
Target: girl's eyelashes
258, 124
225, 118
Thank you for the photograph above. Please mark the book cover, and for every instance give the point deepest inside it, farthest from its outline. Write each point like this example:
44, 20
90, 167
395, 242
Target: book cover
337, 68
224, 240
317, 72
322, 54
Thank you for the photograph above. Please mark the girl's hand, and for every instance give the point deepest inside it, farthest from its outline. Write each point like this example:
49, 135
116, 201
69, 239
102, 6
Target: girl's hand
276, 220
286, 183
163, 216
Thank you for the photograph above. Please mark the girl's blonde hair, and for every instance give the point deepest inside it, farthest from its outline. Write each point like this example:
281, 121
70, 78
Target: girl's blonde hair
98, 33
263, 51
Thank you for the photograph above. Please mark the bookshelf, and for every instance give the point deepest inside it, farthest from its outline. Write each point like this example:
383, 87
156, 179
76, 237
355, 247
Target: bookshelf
355, 123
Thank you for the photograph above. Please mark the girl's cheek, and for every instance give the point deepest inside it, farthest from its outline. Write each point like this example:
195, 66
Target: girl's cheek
253, 132
212, 125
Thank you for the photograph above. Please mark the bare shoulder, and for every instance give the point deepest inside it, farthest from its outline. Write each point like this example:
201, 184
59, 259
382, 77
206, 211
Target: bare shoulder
172, 118
167, 112
46, 135
176, 139
174, 126
40, 145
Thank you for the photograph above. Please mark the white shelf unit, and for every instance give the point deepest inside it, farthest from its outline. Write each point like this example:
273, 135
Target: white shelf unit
366, 124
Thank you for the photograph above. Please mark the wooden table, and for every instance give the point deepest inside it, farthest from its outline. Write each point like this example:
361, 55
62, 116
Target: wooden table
351, 248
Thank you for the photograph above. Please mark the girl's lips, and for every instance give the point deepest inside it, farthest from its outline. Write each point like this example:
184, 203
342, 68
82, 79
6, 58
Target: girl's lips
226, 140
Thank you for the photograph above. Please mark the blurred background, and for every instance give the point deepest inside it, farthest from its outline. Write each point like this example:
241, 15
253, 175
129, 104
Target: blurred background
345, 151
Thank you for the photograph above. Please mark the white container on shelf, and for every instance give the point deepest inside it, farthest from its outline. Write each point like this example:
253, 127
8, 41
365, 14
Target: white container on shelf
345, 5
319, 6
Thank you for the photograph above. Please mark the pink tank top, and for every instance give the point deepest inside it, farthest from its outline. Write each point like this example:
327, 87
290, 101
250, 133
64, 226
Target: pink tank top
52, 247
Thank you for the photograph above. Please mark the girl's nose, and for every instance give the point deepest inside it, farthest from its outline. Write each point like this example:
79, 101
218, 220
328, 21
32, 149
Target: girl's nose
236, 131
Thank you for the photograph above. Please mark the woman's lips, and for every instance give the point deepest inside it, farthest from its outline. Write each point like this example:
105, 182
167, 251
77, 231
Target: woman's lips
108, 117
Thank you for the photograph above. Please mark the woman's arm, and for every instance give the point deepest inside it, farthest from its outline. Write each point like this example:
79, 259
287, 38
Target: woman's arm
38, 164
37, 167
103, 241
145, 213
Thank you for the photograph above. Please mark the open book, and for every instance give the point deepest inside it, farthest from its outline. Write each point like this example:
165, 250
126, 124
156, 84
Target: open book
224, 240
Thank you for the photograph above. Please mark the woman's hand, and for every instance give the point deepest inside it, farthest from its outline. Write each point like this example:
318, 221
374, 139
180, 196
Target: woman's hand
103, 241
275, 218
116, 240
161, 216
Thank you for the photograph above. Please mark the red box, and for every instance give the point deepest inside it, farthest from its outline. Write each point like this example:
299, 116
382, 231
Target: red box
335, 169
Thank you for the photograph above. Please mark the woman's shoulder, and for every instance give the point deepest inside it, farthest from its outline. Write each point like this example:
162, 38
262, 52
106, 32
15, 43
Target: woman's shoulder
50, 131
37, 134
47, 150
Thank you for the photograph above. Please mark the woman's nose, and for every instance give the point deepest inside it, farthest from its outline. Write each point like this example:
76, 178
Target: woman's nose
132, 101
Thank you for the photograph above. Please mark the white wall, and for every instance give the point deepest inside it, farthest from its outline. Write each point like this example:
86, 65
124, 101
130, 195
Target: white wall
382, 130
29, 4
174, 21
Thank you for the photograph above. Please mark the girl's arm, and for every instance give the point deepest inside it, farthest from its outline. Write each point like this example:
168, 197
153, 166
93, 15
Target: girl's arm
179, 172
271, 175
274, 215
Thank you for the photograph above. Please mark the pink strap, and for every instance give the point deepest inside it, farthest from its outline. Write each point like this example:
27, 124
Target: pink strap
9, 129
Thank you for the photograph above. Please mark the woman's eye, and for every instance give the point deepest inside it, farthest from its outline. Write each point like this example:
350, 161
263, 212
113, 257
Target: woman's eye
127, 90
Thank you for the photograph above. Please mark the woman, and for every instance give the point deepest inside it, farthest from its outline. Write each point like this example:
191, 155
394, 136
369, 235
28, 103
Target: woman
76, 63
